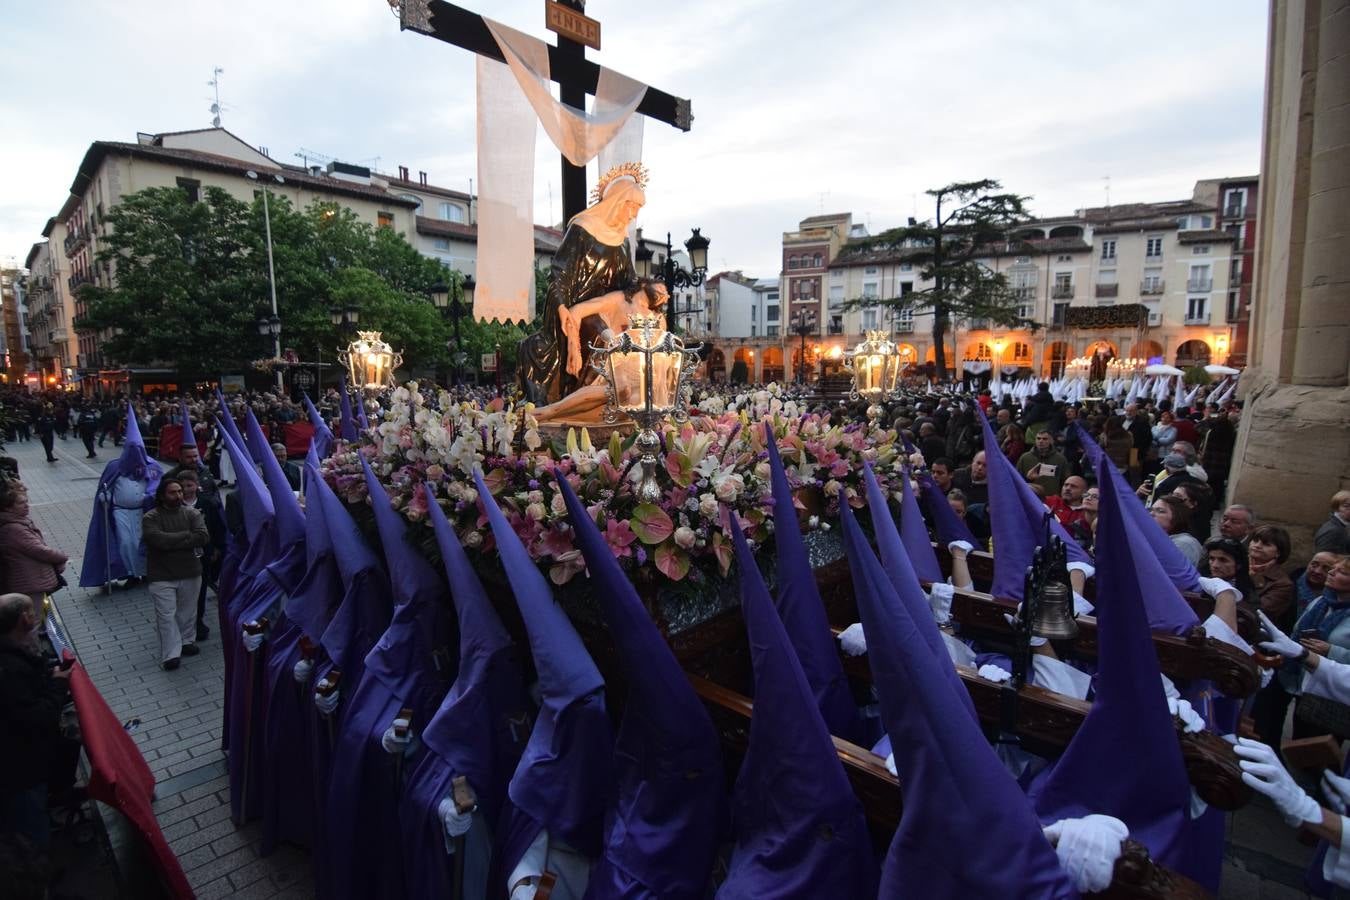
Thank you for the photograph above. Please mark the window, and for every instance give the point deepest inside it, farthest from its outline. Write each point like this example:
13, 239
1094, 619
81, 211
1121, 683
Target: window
1153, 247
1060, 313
413, 198
192, 188
1235, 271
1063, 284
754, 314
907, 267
1022, 261
906, 287
771, 297
771, 313
870, 270
771, 331
870, 291
1235, 203
792, 262
1153, 282
441, 243
1199, 279
1108, 250
384, 219
819, 261
1197, 310
1064, 257
451, 212
869, 319
1200, 250
836, 293
1106, 276
753, 331
1234, 305
836, 274
1021, 352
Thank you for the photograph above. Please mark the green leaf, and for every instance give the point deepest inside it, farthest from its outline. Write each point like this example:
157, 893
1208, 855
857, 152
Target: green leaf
651, 524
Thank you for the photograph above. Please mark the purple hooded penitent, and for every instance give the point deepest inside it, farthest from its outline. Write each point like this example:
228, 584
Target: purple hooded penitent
896, 559
228, 423
1017, 518
102, 561
411, 667
322, 442
346, 424
966, 829
478, 733
949, 526
913, 532
661, 831
189, 439
1125, 760
290, 796
803, 612
565, 775
799, 829
290, 521
1178, 568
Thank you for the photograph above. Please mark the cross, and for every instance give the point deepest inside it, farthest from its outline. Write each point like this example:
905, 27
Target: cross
575, 75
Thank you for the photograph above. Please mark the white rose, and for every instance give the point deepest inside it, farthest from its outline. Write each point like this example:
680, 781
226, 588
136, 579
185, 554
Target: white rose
558, 505
536, 511
728, 487
707, 506
685, 537
832, 488
762, 471
535, 496
473, 539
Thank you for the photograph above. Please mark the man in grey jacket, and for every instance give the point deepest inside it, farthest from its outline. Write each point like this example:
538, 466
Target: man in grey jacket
174, 536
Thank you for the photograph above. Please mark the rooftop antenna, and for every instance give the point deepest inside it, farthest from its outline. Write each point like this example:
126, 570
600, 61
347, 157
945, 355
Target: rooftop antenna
1107, 179
216, 108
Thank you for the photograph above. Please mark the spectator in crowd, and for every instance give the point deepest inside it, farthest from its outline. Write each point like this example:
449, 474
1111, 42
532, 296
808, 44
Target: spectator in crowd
214, 516
62, 415
1173, 475
1067, 505
1040, 412
32, 693
1237, 522
1218, 436
27, 565
973, 480
1312, 580
1174, 518
190, 459
1267, 552
1066, 440
1013, 445
1227, 559
1044, 465
1084, 529
941, 470
1164, 434
1334, 534
46, 430
87, 427
1186, 450
931, 445
1117, 443
1199, 500
109, 421
175, 536
1140, 429
960, 505
291, 470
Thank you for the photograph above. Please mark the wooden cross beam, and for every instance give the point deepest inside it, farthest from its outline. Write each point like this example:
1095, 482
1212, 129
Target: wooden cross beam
575, 75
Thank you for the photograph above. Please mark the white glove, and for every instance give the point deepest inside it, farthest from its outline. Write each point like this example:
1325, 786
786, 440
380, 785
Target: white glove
456, 824
1036, 640
940, 602
1262, 772
852, 641
392, 743
303, 669
1215, 586
1190, 719
327, 705
1087, 569
964, 546
1088, 849
1337, 791
1279, 642
1081, 606
991, 672
252, 641
890, 764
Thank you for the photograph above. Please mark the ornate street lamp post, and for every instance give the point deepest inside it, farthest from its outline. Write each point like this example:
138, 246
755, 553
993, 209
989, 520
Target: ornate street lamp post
447, 299
646, 371
803, 325
670, 272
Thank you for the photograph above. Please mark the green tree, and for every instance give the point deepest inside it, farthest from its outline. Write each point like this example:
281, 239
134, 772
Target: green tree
969, 218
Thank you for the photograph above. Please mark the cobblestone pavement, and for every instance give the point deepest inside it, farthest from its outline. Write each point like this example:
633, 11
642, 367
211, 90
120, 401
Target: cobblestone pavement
179, 712
180, 722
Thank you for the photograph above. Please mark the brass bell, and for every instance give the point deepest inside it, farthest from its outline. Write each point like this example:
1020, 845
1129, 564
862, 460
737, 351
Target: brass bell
1054, 613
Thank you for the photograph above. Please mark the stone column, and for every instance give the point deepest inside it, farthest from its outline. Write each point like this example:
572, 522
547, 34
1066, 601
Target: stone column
1322, 340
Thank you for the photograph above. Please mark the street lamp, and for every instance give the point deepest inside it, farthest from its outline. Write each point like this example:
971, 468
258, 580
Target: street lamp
449, 307
344, 318
803, 324
670, 272
998, 344
271, 270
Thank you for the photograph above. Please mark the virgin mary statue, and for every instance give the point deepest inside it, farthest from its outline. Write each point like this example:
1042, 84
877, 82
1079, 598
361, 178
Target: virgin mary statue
595, 257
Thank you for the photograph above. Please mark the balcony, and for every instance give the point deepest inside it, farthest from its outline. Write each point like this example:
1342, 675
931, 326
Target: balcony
835, 329
75, 240
1151, 288
60, 334
1200, 285
80, 278
1197, 318
1061, 292
904, 327
1107, 290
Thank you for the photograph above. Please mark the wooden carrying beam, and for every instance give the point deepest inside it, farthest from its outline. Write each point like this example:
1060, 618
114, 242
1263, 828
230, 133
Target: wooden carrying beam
467, 30
1136, 876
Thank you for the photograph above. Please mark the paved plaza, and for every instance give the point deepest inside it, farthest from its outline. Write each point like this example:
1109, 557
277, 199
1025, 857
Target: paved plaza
178, 722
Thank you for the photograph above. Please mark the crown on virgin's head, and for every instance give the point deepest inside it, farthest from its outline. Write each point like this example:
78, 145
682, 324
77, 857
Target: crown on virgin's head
633, 170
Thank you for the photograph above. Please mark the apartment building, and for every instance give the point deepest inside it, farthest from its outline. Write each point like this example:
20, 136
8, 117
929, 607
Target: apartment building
13, 348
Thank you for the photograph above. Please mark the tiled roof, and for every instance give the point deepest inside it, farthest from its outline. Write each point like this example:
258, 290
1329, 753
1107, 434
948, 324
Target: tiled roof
819, 220
546, 240
1206, 236
406, 184
98, 150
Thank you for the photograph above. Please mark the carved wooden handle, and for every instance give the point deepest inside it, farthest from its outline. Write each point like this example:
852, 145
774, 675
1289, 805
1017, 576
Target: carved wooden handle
461, 793
328, 683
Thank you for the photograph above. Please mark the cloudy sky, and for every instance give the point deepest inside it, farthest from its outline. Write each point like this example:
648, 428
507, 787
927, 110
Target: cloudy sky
800, 107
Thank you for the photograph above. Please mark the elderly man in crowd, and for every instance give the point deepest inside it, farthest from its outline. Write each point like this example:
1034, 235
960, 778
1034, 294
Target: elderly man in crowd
1237, 522
1067, 505
1333, 535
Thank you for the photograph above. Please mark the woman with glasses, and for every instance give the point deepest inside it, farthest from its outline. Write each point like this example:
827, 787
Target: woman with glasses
1084, 529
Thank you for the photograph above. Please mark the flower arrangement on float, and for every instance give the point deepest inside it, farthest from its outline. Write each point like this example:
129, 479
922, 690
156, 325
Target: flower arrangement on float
715, 464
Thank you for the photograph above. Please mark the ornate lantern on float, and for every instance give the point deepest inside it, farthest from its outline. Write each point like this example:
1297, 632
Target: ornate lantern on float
875, 366
646, 371
370, 361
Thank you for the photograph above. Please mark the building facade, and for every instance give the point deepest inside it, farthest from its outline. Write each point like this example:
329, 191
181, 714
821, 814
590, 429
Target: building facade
13, 347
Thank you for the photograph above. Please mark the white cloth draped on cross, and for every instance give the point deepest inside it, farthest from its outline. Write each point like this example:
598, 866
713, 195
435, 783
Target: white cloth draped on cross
511, 98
